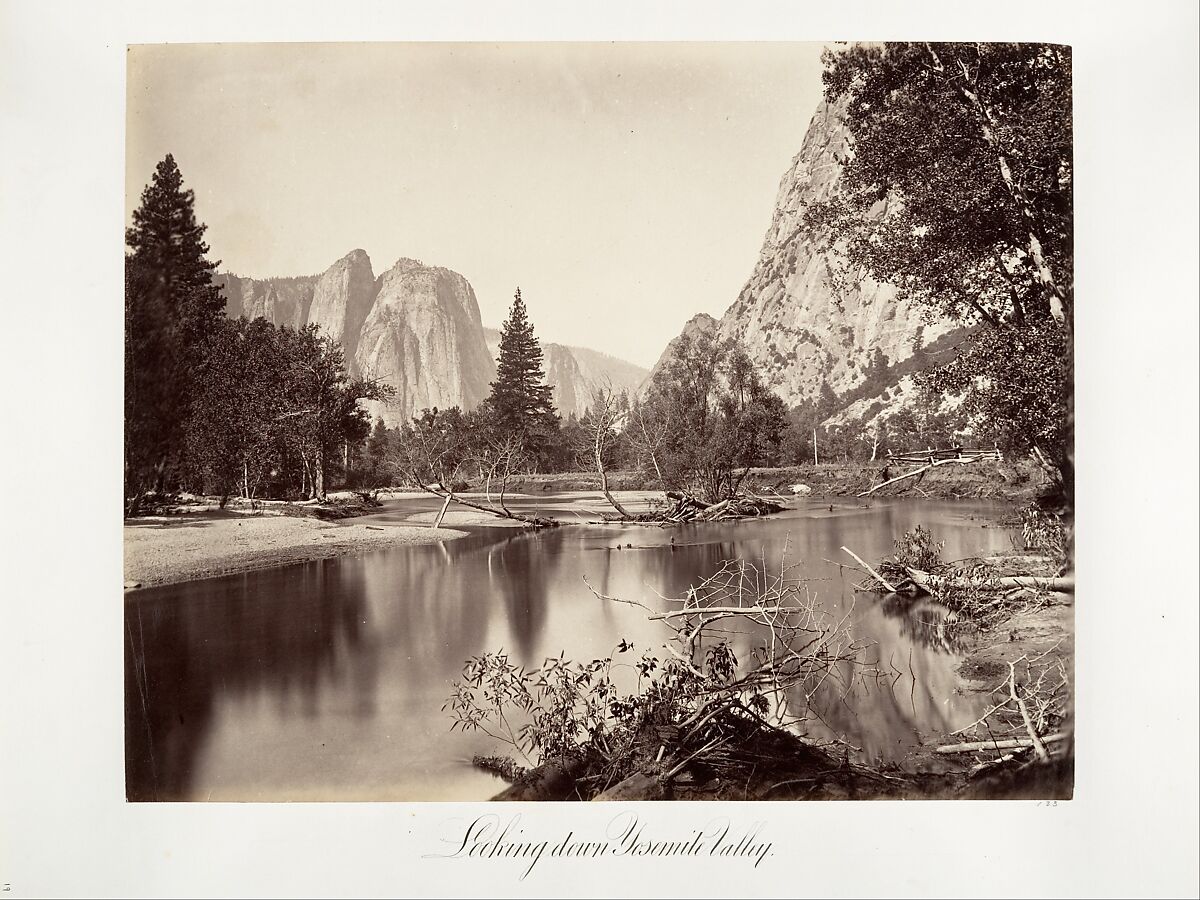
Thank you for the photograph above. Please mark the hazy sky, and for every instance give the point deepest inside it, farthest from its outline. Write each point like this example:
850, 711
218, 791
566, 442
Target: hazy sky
624, 187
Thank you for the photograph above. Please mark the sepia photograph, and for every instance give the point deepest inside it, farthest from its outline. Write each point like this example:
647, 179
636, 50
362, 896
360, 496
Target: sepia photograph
622, 421
599, 450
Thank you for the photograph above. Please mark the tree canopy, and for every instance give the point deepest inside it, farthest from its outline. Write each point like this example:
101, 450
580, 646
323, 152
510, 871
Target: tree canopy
959, 192
708, 415
213, 403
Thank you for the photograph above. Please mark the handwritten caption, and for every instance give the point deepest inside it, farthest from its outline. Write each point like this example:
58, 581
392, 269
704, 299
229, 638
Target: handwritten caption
510, 838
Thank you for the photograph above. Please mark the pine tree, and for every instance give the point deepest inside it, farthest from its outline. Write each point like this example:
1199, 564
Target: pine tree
520, 401
172, 308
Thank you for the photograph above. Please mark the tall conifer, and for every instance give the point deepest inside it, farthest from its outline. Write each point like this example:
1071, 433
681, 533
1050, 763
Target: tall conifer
520, 401
171, 310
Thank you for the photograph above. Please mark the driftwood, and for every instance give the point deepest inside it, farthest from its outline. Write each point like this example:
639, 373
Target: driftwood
1007, 744
447, 495
553, 780
688, 509
638, 786
1039, 746
929, 582
887, 584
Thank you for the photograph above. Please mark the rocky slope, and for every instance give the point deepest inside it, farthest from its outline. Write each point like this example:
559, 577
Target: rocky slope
571, 373
701, 323
797, 325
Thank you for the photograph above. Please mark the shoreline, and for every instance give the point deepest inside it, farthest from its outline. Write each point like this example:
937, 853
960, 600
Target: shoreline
1010, 480
197, 540
163, 550
1042, 632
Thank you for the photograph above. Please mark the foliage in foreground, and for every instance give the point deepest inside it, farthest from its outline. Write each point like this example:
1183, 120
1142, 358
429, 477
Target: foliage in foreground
750, 653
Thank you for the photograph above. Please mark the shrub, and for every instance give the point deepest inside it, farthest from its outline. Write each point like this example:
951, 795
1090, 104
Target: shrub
917, 550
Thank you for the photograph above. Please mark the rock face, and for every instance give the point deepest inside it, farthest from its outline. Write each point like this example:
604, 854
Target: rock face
281, 301
568, 387
341, 299
416, 327
572, 372
798, 327
423, 336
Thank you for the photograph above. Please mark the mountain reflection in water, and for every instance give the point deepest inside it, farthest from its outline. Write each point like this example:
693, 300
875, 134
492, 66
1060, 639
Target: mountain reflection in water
325, 681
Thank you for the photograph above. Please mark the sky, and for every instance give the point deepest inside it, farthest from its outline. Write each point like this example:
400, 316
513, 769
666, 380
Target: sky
624, 187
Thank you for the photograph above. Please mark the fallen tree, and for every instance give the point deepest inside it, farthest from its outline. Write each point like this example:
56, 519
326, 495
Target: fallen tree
687, 508
432, 451
939, 584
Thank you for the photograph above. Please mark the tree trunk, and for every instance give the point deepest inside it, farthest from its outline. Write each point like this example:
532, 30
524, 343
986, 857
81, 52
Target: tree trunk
815, 462
503, 491
319, 475
598, 455
437, 523
445, 493
662, 482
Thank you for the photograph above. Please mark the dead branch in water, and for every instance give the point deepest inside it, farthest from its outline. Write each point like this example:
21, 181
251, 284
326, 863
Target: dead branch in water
887, 584
687, 508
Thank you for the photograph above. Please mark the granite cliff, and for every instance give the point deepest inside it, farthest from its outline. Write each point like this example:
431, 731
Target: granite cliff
423, 336
342, 297
415, 327
281, 301
798, 324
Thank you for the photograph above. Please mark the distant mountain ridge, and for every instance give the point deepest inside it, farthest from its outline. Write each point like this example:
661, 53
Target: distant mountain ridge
417, 328
572, 372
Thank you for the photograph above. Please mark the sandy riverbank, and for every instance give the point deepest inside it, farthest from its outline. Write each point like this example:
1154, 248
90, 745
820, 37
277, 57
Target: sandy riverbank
170, 549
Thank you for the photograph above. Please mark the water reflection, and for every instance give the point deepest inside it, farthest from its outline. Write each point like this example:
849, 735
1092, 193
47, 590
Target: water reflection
228, 642
326, 680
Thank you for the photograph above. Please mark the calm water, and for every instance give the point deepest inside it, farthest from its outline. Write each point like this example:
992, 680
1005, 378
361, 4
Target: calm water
325, 681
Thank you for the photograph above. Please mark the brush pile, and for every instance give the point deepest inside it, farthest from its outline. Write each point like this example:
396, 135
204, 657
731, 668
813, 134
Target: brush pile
686, 508
983, 591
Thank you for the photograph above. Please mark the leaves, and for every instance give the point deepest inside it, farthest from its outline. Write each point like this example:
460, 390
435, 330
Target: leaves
959, 192
722, 416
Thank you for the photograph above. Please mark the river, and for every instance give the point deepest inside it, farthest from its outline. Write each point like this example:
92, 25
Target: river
326, 680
